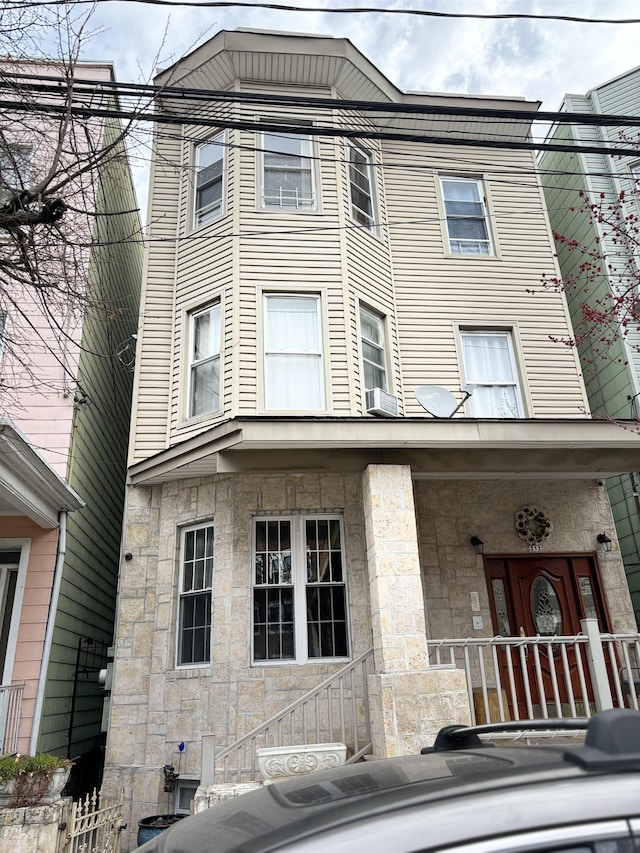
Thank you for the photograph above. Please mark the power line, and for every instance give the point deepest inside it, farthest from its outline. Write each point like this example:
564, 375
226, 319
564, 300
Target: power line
313, 130
347, 10
54, 86
436, 161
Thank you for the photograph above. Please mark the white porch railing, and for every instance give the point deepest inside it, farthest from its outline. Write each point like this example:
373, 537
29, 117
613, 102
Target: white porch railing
508, 678
520, 678
10, 710
335, 711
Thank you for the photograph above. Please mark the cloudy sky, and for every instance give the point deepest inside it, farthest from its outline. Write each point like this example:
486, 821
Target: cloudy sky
537, 59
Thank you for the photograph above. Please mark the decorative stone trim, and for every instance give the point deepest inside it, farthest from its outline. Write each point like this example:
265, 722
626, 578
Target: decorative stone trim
280, 762
209, 795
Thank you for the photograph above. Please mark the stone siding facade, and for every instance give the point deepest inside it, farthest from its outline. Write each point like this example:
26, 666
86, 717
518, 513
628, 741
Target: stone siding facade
410, 572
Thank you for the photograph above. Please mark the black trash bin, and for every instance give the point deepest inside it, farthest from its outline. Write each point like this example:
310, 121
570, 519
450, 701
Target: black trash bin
149, 827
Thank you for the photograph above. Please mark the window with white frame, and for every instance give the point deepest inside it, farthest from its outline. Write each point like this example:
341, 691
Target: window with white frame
204, 361
185, 793
374, 360
293, 369
360, 186
194, 607
209, 178
299, 591
9, 567
288, 180
15, 168
490, 367
466, 216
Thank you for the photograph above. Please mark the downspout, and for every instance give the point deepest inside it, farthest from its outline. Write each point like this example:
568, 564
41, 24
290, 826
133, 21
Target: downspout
48, 639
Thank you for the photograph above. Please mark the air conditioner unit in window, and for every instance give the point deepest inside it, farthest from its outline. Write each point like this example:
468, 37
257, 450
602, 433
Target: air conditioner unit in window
381, 403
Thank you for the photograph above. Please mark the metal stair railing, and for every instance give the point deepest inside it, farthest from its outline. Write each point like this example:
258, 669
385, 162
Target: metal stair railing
337, 710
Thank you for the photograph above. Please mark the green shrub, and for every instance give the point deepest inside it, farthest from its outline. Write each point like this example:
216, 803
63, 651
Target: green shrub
41, 764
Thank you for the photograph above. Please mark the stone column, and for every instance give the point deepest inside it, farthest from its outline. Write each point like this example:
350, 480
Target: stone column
410, 701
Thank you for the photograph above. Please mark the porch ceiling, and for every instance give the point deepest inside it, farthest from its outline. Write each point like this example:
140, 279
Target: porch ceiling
28, 485
434, 448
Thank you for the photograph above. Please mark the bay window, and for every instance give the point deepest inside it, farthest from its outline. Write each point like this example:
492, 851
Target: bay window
208, 180
299, 591
293, 369
204, 361
288, 180
374, 359
360, 186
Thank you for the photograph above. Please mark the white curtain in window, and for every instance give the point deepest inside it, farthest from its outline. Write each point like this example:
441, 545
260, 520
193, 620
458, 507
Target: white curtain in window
293, 360
489, 366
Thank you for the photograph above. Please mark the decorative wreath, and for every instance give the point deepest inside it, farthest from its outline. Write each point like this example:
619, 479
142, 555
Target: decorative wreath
532, 525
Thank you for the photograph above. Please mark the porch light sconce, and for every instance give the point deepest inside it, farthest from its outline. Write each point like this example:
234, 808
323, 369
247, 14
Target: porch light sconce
604, 540
478, 544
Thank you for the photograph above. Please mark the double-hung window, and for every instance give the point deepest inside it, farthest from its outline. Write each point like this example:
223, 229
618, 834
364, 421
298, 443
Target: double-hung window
15, 168
204, 361
194, 608
288, 180
374, 360
360, 186
466, 216
490, 366
209, 176
299, 592
293, 371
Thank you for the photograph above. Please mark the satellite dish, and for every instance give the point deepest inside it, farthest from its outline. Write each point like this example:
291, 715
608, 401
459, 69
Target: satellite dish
438, 401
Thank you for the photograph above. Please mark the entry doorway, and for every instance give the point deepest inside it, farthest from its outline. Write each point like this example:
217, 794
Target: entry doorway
544, 595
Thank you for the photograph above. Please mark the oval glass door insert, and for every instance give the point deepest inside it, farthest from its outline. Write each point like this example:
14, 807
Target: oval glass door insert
545, 608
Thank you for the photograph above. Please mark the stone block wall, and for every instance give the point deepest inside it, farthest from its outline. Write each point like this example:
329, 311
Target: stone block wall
33, 829
449, 512
155, 706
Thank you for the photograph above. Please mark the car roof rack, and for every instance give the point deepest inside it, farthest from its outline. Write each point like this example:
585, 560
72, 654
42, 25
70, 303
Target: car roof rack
612, 739
468, 737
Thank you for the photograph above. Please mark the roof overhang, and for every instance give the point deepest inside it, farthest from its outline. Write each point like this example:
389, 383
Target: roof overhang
329, 64
434, 448
28, 484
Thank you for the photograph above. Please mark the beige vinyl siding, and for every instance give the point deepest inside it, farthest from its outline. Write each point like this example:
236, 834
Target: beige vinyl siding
369, 272
299, 250
203, 273
154, 355
403, 271
303, 91
434, 290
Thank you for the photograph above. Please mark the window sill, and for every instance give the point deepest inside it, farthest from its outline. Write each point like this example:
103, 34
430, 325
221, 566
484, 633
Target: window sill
290, 211
194, 229
311, 662
294, 413
200, 419
470, 257
375, 232
191, 670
